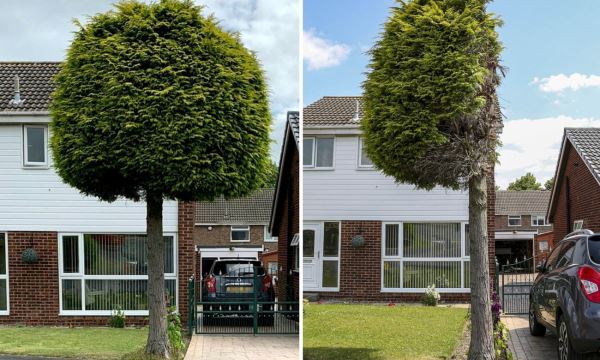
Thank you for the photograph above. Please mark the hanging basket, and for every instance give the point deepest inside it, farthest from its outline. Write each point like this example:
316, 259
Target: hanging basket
358, 241
29, 256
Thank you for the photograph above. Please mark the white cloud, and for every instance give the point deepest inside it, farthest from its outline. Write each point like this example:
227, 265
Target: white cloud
561, 82
533, 145
269, 28
321, 53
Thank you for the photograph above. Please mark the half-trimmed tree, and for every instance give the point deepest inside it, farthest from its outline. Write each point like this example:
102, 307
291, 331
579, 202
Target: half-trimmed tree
153, 102
432, 117
525, 182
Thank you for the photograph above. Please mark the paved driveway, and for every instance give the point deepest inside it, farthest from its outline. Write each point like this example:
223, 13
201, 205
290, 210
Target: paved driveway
527, 347
243, 347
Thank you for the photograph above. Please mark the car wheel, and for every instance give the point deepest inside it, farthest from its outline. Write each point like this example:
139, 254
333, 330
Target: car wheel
535, 328
565, 349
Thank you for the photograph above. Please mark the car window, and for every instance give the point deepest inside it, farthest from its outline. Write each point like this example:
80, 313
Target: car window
565, 257
552, 258
244, 268
594, 248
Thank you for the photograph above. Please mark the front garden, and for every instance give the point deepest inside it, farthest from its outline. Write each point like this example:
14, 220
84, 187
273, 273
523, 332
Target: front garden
369, 332
86, 343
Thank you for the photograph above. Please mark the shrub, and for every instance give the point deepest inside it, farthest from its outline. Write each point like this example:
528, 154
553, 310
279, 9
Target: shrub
174, 331
496, 308
117, 319
501, 342
431, 297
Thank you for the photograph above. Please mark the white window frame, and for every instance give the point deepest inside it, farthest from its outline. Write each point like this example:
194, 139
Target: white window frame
239, 228
295, 244
313, 165
81, 276
312, 160
32, 164
268, 237
514, 217
400, 258
5, 277
577, 225
537, 219
359, 162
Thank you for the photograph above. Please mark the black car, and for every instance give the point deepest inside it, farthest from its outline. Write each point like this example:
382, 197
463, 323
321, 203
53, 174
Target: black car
565, 296
233, 287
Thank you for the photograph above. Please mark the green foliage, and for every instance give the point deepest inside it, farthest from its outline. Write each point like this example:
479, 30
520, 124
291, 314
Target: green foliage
117, 319
501, 342
549, 184
525, 182
431, 296
270, 175
156, 98
174, 332
431, 113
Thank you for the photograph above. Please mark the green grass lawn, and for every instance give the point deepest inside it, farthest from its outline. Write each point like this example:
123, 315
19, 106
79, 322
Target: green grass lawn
81, 343
370, 332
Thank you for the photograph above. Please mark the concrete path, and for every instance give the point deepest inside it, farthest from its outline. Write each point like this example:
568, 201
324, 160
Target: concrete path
243, 347
527, 347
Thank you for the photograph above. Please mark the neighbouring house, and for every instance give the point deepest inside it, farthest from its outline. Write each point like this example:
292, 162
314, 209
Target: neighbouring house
285, 214
91, 255
522, 231
234, 228
366, 237
575, 199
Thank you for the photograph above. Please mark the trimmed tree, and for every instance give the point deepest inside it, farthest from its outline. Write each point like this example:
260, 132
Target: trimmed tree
526, 182
431, 117
155, 102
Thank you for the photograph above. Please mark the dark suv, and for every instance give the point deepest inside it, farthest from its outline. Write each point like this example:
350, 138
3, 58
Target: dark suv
565, 296
228, 291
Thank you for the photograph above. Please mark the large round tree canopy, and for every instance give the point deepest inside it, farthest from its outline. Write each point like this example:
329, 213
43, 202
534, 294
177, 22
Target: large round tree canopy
429, 90
156, 98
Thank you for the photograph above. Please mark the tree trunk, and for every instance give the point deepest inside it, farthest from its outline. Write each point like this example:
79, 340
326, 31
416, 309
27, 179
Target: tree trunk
482, 342
158, 340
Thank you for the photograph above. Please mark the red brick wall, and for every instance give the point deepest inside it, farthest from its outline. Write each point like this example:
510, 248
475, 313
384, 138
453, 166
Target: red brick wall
502, 224
186, 254
584, 197
34, 295
539, 254
289, 223
221, 235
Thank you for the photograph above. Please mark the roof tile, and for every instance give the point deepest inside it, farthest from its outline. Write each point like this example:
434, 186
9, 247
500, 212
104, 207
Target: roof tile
36, 85
253, 209
529, 202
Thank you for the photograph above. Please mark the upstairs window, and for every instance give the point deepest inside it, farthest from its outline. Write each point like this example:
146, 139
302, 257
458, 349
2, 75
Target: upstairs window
318, 152
35, 145
268, 236
363, 159
240, 233
537, 220
514, 220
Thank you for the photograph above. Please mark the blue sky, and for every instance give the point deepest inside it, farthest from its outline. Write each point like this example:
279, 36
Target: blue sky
552, 52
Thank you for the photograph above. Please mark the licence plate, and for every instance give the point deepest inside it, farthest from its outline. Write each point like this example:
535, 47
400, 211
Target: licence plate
239, 289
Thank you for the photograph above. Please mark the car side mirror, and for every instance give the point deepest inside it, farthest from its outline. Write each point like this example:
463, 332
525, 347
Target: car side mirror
541, 268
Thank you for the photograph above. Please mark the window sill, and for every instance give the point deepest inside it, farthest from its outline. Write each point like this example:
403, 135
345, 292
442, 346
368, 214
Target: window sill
319, 168
36, 167
419, 291
366, 168
239, 241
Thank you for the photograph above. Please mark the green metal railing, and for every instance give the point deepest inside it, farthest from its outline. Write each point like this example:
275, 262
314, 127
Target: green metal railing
243, 315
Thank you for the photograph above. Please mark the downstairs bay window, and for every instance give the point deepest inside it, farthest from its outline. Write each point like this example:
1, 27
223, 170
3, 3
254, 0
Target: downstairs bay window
417, 255
103, 272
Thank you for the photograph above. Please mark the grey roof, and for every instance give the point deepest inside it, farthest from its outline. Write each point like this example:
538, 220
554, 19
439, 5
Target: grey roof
529, 202
333, 111
586, 142
36, 85
253, 209
294, 120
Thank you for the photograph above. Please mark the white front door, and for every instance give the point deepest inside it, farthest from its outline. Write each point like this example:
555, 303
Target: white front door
310, 268
321, 250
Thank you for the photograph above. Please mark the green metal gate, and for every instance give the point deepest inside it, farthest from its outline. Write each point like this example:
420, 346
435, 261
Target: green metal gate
249, 316
515, 281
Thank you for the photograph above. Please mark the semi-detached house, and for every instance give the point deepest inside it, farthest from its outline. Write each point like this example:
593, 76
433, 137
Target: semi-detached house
91, 254
366, 237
